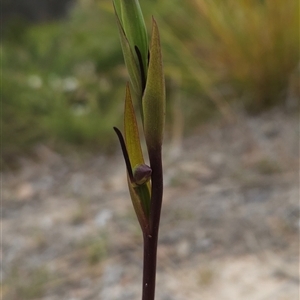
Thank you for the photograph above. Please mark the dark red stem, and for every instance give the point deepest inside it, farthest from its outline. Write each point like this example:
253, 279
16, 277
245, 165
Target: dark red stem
150, 239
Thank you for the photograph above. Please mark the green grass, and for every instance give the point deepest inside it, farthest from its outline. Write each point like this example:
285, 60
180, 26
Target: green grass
244, 50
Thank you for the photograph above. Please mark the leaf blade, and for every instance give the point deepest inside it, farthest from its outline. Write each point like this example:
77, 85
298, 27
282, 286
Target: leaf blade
154, 94
132, 137
140, 195
130, 58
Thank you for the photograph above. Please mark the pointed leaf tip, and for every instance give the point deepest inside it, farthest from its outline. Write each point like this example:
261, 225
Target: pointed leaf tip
154, 94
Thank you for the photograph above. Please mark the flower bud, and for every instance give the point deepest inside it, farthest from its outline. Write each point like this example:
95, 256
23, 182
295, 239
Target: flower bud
141, 174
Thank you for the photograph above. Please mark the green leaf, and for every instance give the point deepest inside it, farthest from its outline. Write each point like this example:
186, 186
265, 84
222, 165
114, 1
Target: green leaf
132, 137
135, 28
143, 192
139, 191
130, 58
118, 9
154, 95
140, 195
137, 194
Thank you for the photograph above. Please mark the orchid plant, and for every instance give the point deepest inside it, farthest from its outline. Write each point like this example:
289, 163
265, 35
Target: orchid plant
147, 87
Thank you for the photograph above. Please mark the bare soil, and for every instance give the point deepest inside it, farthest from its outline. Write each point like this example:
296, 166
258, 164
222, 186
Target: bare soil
229, 227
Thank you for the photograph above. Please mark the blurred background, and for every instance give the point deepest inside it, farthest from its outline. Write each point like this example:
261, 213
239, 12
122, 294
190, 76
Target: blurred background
231, 153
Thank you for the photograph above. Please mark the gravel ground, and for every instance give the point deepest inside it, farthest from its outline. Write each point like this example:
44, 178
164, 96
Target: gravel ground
229, 227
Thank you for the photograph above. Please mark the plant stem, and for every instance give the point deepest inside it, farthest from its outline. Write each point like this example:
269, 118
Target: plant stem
150, 239
149, 272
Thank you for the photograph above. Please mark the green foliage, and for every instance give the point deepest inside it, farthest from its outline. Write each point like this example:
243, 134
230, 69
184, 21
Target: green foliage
154, 97
148, 81
244, 50
63, 82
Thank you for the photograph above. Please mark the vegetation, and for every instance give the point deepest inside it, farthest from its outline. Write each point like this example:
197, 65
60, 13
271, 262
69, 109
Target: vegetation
240, 49
62, 82
145, 183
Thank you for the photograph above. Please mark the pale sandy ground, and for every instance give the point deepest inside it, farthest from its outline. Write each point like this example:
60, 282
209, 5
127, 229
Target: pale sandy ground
229, 229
